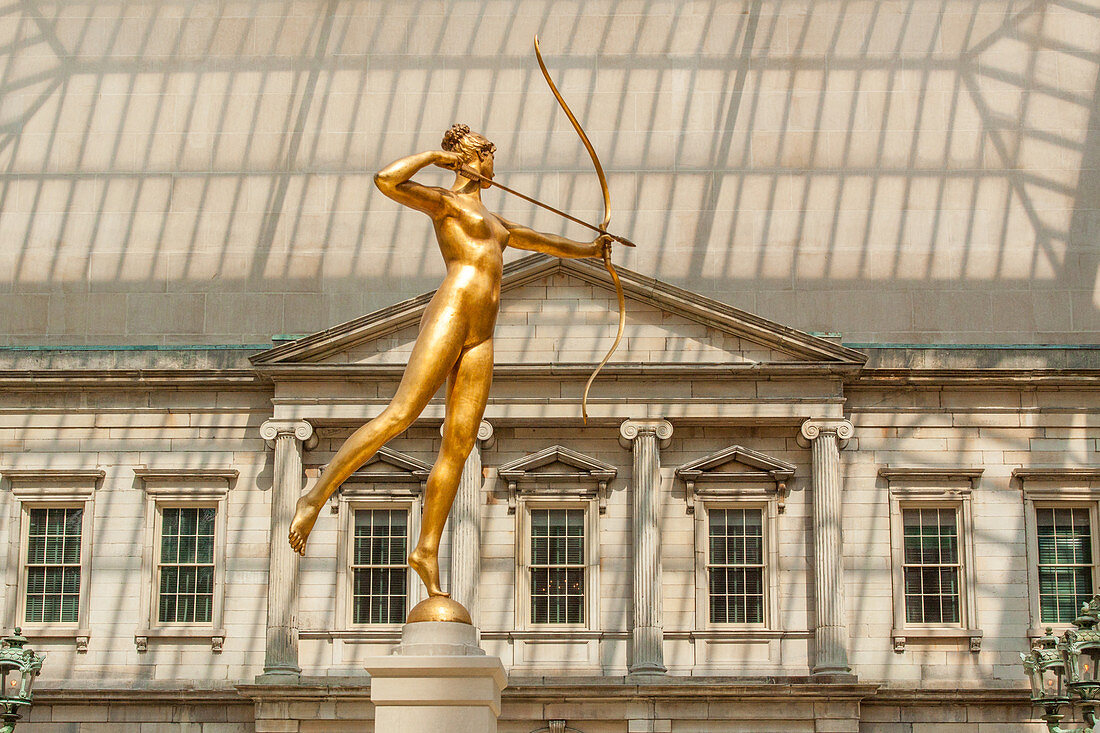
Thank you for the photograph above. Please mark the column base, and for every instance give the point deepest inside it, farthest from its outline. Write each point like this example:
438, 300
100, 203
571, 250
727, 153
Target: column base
279, 676
437, 679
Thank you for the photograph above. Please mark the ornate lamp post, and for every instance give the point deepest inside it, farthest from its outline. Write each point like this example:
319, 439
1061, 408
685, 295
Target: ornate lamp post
18, 668
1066, 671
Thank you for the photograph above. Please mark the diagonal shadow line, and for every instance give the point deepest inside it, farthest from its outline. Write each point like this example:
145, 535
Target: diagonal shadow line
48, 29
1010, 19
274, 213
992, 134
714, 182
15, 129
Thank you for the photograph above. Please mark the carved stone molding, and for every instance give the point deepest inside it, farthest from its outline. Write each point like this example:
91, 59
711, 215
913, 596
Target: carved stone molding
710, 477
583, 477
929, 479
815, 427
300, 429
631, 429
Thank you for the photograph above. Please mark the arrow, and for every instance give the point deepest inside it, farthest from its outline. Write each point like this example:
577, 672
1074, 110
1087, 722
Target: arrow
474, 176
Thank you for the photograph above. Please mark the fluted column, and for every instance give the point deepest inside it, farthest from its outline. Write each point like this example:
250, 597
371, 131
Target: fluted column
645, 436
281, 651
466, 527
826, 438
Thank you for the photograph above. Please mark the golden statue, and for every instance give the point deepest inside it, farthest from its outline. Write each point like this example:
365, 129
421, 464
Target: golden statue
455, 343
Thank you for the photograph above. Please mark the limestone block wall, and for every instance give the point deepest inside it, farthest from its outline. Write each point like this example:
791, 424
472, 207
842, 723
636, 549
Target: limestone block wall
897, 171
118, 431
996, 430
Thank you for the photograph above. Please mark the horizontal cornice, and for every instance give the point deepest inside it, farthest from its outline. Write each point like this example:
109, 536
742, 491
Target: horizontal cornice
853, 377
529, 689
976, 377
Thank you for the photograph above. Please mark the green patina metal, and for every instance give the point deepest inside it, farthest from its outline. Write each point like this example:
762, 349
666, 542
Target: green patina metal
1066, 671
19, 667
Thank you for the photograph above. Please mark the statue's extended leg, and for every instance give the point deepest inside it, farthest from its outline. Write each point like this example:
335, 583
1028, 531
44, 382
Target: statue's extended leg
437, 349
466, 398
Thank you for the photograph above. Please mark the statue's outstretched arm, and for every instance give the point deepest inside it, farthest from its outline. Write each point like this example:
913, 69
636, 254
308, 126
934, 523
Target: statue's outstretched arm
522, 237
394, 180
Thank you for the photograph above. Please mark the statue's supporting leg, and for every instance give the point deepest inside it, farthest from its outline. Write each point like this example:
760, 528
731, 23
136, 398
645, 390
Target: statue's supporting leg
466, 398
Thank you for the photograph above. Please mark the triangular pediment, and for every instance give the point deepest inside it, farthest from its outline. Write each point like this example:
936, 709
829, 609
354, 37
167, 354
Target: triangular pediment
736, 463
557, 463
557, 311
388, 465
559, 472
736, 472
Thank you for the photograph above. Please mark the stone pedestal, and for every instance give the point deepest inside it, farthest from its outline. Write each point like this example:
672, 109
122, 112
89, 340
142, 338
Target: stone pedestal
437, 679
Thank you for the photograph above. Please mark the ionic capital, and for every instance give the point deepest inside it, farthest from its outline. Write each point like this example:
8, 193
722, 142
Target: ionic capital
631, 429
300, 429
814, 428
484, 433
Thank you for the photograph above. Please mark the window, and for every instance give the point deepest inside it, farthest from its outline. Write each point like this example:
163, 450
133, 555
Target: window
557, 566
1060, 521
1064, 537
186, 568
931, 566
558, 496
51, 552
379, 573
932, 555
735, 566
378, 509
736, 496
53, 565
184, 560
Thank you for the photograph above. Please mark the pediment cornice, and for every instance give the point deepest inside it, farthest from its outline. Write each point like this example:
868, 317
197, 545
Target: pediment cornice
804, 347
574, 474
712, 476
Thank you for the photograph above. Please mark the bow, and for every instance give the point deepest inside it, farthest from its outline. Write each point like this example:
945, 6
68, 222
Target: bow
603, 226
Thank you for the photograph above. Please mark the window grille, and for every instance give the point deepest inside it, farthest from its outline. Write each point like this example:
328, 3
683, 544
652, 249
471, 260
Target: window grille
557, 566
186, 568
53, 565
735, 566
1065, 562
379, 571
931, 566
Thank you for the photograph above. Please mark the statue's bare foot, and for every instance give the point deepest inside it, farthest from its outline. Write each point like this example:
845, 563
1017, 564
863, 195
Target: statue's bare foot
305, 515
426, 565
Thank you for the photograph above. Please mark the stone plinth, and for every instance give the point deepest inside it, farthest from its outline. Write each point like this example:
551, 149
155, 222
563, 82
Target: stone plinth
437, 679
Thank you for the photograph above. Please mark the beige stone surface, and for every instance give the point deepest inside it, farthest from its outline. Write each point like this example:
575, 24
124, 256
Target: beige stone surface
897, 172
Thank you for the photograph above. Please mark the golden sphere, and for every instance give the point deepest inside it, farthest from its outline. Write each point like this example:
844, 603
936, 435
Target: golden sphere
439, 608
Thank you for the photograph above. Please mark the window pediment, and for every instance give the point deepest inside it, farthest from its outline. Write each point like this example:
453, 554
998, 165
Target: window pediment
168, 483
388, 473
560, 472
735, 472
53, 484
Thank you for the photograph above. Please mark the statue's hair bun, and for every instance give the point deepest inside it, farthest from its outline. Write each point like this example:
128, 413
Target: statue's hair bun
453, 137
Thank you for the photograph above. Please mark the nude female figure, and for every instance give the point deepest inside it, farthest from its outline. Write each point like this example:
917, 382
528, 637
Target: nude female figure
455, 343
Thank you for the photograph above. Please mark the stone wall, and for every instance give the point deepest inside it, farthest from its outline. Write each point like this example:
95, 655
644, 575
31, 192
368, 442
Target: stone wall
999, 430
896, 171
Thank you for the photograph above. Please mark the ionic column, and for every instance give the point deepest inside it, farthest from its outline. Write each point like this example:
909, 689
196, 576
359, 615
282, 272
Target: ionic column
281, 651
826, 438
645, 437
466, 527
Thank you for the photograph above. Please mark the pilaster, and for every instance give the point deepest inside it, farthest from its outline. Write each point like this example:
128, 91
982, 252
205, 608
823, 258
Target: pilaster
287, 437
645, 437
826, 437
466, 526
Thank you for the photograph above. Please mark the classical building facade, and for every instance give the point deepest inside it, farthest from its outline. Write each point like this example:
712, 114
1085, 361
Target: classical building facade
842, 469
757, 529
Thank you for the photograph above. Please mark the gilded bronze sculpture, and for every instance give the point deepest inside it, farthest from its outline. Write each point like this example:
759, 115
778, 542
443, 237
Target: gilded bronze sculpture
455, 342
